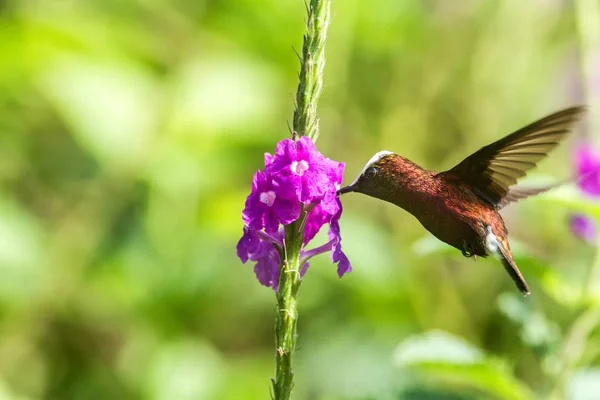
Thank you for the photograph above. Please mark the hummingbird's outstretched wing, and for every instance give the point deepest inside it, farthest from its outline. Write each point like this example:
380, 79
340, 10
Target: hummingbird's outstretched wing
495, 167
516, 193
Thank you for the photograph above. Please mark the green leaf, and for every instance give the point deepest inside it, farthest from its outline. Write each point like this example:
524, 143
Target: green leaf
442, 359
484, 377
535, 329
435, 346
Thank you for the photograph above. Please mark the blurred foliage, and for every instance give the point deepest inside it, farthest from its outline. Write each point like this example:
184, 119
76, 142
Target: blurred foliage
129, 132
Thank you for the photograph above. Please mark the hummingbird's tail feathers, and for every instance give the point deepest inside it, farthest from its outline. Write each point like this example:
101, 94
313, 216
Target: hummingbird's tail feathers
513, 270
498, 245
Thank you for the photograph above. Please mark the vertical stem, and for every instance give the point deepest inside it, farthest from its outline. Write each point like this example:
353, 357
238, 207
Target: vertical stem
573, 349
287, 314
306, 122
312, 64
590, 286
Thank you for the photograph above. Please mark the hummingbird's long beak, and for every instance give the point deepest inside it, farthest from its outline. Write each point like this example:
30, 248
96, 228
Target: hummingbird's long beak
346, 189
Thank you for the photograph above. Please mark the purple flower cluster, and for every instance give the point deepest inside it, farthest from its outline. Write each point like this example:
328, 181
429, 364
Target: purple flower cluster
587, 166
296, 182
583, 227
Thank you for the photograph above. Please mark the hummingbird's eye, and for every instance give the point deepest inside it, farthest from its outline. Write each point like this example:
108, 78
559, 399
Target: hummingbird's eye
370, 172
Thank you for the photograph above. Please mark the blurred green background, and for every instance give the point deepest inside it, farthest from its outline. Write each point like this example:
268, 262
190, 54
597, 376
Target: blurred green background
129, 133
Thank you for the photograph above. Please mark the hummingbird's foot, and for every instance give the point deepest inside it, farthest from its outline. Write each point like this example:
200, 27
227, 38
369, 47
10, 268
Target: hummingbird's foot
467, 250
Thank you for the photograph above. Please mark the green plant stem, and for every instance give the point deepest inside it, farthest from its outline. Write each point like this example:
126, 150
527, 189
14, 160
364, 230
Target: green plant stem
287, 314
312, 64
573, 350
306, 122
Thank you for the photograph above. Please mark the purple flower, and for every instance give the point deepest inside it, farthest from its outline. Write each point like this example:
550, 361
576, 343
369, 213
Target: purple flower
271, 202
310, 172
583, 228
587, 164
297, 178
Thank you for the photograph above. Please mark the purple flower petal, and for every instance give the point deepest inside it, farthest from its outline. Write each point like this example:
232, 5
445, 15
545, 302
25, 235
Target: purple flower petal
267, 262
254, 209
331, 203
314, 221
268, 159
304, 268
248, 244
583, 228
272, 202
286, 186
271, 223
285, 154
267, 269
306, 147
286, 211
337, 255
285, 208
337, 174
315, 184
587, 163
343, 262
301, 164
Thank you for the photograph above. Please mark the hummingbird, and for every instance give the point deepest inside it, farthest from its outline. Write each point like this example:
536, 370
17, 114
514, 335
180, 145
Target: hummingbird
461, 206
